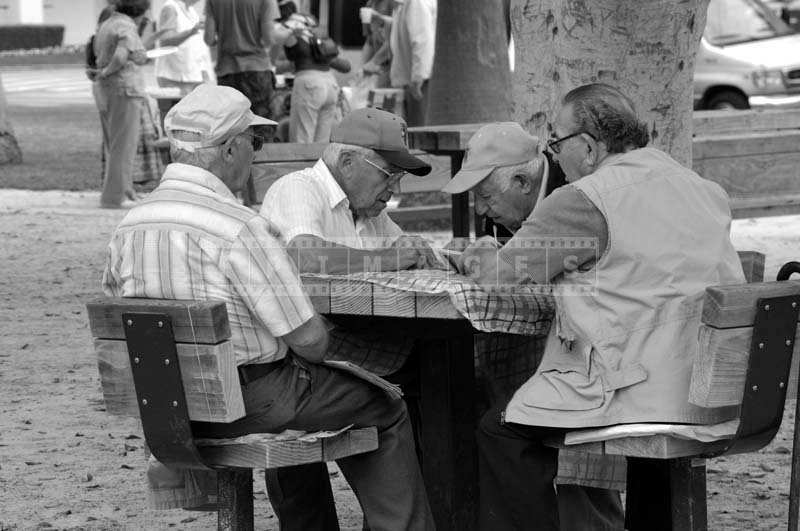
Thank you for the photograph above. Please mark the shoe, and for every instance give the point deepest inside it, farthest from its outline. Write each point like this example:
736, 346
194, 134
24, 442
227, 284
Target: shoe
126, 203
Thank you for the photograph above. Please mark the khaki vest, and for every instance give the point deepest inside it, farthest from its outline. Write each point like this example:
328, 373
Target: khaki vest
622, 350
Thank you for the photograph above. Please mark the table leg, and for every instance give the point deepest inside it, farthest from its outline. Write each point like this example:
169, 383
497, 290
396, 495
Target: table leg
460, 210
447, 396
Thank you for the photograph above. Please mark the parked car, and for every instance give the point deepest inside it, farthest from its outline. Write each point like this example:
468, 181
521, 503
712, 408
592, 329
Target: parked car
748, 58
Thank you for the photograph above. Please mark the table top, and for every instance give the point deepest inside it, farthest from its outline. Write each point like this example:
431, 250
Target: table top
442, 138
432, 294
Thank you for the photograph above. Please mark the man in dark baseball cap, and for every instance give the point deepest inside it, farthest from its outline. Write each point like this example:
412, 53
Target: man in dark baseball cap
383, 132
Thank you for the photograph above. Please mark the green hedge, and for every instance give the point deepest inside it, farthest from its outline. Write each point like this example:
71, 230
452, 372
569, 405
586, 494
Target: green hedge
28, 36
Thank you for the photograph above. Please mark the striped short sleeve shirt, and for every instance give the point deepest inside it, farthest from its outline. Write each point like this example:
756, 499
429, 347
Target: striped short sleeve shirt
191, 239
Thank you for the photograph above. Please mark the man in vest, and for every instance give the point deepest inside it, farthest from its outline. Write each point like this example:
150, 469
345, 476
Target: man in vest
628, 247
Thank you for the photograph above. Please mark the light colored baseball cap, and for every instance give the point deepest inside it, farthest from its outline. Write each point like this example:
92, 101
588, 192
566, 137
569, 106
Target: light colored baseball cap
492, 146
383, 132
215, 113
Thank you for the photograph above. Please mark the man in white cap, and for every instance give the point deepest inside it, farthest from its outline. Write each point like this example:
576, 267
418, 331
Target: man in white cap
628, 305
509, 176
191, 239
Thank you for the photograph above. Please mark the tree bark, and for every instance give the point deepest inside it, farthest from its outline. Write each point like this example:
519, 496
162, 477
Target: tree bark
470, 81
646, 48
9, 148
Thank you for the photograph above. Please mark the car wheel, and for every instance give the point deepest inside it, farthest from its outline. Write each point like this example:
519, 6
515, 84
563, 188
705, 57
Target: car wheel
726, 100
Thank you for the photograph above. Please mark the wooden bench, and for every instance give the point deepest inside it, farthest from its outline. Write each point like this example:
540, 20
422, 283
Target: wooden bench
746, 346
172, 362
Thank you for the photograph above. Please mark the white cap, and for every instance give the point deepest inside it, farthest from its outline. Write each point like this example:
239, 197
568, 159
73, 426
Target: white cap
215, 113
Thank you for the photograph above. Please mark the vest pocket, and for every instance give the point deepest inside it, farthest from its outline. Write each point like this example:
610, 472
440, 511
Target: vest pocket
564, 382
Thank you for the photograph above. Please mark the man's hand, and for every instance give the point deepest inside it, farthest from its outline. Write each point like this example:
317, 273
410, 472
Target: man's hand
413, 251
480, 258
139, 57
415, 89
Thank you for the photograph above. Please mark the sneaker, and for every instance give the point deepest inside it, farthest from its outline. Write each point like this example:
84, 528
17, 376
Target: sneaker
126, 203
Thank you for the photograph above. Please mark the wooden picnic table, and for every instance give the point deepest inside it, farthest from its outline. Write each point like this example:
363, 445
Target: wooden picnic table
444, 342
449, 140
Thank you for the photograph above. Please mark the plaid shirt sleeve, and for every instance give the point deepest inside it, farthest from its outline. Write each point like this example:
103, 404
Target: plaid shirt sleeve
267, 280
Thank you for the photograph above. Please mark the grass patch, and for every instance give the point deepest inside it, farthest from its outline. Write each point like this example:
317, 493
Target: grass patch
60, 149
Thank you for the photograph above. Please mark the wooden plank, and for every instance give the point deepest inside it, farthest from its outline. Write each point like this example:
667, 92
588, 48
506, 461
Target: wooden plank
402, 215
771, 205
289, 152
209, 375
392, 302
706, 123
755, 175
264, 451
436, 306
192, 321
752, 265
720, 368
739, 144
651, 446
442, 138
351, 297
735, 306
591, 469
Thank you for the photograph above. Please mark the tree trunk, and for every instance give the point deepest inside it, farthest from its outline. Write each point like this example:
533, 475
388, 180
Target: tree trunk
646, 48
9, 149
470, 81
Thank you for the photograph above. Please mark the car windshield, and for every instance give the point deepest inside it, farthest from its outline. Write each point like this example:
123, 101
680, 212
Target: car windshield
735, 21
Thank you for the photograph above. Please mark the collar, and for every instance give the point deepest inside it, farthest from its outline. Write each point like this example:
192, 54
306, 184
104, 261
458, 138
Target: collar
177, 171
336, 195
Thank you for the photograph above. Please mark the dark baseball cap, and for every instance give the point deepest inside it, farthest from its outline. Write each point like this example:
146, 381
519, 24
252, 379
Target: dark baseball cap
383, 132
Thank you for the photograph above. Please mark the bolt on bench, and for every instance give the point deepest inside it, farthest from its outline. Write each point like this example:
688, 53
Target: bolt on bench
171, 362
746, 344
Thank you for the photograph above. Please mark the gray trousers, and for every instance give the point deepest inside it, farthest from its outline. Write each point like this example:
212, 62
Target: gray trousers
303, 396
120, 117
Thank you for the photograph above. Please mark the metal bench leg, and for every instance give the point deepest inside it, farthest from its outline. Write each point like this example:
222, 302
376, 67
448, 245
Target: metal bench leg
235, 498
665, 495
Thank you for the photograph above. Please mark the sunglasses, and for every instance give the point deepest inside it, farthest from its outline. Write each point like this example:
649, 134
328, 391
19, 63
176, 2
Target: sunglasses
255, 140
553, 144
391, 175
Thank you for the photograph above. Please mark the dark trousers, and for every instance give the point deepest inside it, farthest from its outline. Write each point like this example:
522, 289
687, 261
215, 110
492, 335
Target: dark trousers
416, 110
517, 473
301, 495
256, 85
304, 396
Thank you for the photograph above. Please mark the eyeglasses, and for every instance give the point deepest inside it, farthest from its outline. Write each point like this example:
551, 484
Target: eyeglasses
553, 144
255, 140
391, 175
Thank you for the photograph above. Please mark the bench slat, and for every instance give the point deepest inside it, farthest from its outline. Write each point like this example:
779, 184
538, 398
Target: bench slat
252, 451
210, 380
735, 306
192, 321
651, 446
720, 369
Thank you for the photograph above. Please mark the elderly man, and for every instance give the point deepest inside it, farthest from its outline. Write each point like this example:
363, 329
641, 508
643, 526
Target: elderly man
332, 219
628, 307
509, 177
193, 240
332, 216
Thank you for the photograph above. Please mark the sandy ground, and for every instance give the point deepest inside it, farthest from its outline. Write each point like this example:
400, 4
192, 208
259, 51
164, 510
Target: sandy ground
66, 464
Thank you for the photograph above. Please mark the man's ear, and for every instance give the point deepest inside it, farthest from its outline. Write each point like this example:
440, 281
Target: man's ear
523, 183
592, 156
227, 149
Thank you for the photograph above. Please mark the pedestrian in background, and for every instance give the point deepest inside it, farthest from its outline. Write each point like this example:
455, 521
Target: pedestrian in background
315, 93
243, 31
121, 99
412, 42
191, 64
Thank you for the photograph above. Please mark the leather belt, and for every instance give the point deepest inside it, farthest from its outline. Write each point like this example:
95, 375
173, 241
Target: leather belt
252, 372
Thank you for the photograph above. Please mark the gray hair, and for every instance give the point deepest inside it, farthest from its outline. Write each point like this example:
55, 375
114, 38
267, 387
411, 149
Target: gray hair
334, 150
532, 169
202, 158
609, 115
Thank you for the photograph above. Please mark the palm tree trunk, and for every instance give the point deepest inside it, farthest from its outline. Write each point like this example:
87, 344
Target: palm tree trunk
646, 48
470, 81
9, 149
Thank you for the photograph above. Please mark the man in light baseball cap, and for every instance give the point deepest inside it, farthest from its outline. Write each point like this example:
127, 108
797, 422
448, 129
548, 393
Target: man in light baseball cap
506, 170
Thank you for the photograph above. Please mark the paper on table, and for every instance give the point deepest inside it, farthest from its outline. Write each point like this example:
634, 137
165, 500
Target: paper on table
160, 52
